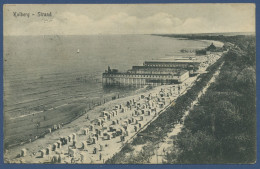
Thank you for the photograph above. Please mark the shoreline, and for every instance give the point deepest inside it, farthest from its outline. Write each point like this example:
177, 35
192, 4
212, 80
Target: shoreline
81, 110
79, 123
72, 126
9, 123
68, 127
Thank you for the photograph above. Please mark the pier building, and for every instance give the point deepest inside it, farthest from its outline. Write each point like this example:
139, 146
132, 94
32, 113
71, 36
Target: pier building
155, 72
190, 64
144, 76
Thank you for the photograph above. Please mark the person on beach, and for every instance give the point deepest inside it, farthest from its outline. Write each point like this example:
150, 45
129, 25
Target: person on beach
100, 156
59, 159
94, 150
101, 148
72, 161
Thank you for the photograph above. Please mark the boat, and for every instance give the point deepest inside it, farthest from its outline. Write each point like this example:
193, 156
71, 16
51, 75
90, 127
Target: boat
78, 51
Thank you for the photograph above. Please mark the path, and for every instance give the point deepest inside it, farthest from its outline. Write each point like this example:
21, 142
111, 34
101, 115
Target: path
167, 142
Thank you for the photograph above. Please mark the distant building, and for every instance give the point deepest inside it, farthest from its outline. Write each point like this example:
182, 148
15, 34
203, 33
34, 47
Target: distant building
211, 48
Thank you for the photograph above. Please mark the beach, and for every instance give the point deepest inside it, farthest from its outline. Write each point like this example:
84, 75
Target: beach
83, 122
40, 129
133, 114
58, 85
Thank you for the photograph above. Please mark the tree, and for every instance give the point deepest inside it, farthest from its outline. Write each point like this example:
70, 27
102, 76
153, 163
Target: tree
196, 148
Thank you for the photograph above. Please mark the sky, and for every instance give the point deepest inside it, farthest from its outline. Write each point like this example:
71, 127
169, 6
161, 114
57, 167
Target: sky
92, 19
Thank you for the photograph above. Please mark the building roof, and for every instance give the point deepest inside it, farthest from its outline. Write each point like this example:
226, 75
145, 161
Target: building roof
156, 68
181, 72
172, 61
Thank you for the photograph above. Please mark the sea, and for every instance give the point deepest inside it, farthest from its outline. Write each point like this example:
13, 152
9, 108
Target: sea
59, 74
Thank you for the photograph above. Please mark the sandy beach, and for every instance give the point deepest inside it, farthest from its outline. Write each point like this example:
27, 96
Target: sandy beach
84, 121
101, 132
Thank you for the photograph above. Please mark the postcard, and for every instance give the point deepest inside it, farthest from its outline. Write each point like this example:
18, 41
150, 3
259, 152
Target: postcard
129, 83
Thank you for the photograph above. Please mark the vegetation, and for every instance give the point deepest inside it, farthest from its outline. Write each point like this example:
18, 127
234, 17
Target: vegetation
159, 128
222, 128
241, 41
210, 48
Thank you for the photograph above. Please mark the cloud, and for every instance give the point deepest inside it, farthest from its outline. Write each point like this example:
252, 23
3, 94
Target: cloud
120, 23
68, 23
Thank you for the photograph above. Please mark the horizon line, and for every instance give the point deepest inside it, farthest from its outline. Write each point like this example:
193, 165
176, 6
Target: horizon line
134, 34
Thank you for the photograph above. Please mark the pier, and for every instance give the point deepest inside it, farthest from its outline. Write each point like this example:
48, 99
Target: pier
157, 72
119, 122
127, 79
